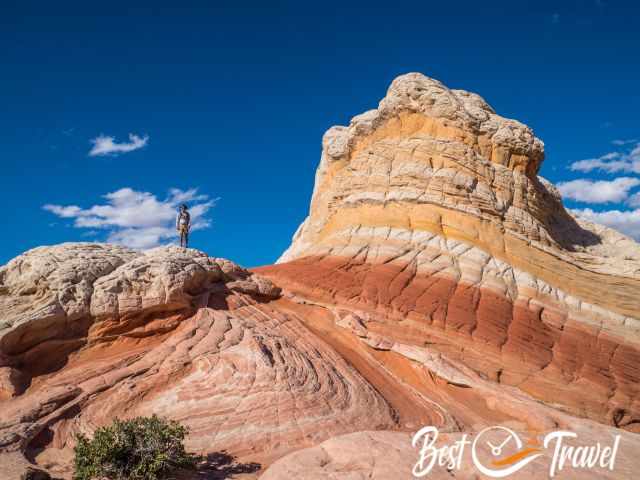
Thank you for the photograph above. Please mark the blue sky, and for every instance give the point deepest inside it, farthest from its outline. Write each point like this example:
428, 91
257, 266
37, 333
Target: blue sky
112, 114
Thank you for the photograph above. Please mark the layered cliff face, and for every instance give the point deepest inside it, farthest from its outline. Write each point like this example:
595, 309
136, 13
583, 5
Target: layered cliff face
429, 218
93, 332
436, 281
430, 161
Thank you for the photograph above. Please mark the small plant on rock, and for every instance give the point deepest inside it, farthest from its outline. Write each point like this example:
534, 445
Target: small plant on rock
143, 448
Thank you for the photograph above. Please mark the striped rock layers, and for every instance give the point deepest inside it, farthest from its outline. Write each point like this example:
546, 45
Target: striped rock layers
436, 281
428, 219
94, 332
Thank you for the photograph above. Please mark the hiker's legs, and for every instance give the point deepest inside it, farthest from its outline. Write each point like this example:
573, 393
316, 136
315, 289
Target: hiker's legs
184, 236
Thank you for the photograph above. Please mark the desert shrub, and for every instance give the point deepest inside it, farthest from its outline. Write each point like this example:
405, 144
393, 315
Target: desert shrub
143, 448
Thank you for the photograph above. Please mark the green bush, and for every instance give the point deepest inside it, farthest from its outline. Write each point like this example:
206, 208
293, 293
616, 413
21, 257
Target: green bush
137, 449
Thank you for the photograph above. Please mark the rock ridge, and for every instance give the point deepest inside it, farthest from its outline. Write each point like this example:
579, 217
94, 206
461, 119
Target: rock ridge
428, 216
437, 280
435, 160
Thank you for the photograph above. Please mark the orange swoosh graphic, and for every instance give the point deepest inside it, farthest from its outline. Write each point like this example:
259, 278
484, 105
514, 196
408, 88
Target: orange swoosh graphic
515, 457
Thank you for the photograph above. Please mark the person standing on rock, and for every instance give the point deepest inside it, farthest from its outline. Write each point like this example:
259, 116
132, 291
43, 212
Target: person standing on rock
183, 225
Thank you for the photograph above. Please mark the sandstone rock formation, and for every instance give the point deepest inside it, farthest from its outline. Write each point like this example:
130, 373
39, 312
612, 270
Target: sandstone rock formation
437, 280
115, 333
384, 455
429, 217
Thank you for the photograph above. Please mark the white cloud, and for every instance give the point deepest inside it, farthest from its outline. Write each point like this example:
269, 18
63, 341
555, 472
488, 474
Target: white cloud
105, 145
634, 200
613, 162
627, 222
138, 219
620, 142
141, 238
64, 212
624, 217
598, 191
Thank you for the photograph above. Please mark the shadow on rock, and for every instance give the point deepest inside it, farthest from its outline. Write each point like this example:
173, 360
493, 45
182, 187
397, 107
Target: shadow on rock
218, 466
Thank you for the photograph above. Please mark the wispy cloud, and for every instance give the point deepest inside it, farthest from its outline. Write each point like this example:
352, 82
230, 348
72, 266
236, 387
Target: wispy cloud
613, 162
624, 215
634, 200
598, 191
105, 145
138, 219
620, 142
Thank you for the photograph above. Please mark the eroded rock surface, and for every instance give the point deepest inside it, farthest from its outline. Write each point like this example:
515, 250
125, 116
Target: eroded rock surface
384, 455
437, 280
428, 215
440, 161
172, 332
